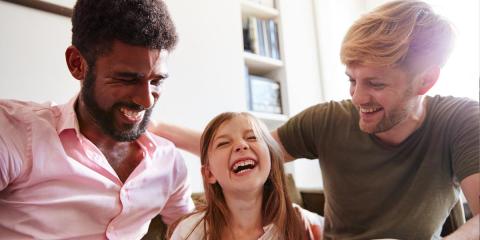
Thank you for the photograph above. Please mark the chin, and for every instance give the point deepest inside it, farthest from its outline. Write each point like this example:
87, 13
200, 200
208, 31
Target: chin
367, 129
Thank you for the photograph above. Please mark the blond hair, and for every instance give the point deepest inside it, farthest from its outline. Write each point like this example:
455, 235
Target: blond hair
276, 204
406, 34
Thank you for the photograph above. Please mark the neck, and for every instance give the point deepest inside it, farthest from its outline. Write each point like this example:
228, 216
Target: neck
246, 213
407, 126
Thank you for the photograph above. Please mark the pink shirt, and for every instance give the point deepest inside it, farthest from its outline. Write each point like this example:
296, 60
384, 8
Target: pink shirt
56, 184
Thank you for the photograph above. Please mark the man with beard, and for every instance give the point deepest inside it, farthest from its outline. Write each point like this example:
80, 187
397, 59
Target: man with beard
88, 169
393, 160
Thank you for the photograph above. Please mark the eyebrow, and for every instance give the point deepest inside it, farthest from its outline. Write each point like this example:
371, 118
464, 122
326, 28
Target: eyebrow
138, 75
367, 79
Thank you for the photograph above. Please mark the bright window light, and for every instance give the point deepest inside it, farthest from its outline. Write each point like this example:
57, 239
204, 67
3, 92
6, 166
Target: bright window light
460, 76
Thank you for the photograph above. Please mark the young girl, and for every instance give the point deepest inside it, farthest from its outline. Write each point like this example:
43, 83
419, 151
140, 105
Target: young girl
245, 187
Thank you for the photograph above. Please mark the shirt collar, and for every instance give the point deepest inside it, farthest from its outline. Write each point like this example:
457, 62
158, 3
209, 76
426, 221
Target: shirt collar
68, 117
68, 120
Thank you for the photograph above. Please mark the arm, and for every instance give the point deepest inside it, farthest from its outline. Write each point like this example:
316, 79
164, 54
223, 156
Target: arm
184, 138
286, 156
471, 189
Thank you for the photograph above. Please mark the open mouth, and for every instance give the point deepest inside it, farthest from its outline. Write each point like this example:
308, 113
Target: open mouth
243, 166
370, 110
132, 115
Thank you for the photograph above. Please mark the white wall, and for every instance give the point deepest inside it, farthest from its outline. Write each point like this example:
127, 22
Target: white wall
326, 22
32, 59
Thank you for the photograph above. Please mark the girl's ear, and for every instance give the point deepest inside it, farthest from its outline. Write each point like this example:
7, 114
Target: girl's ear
208, 175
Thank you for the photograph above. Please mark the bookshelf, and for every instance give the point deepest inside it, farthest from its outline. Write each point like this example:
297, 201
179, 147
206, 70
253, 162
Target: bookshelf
262, 57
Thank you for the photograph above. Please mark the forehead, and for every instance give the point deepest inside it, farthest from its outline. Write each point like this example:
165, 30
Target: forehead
359, 72
124, 55
238, 123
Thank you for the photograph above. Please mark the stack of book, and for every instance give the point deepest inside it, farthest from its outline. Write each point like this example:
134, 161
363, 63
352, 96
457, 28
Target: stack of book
264, 95
260, 36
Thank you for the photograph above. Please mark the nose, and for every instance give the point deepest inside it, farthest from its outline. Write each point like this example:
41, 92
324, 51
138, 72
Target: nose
359, 95
241, 146
146, 95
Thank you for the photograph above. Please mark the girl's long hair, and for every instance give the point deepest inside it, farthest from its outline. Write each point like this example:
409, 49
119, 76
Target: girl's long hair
276, 204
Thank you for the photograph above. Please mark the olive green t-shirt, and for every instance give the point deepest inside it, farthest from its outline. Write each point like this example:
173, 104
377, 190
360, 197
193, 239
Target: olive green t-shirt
378, 191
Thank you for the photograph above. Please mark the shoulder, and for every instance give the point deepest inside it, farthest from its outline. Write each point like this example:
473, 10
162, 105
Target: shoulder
191, 226
325, 116
453, 112
17, 118
18, 113
340, 107
452, 105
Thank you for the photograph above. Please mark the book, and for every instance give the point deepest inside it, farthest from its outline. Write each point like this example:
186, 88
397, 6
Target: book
247, 42
273, 39
253, 35
264, 95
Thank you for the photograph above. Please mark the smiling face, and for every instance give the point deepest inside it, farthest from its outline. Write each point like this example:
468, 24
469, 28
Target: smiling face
238, 158
384, 97
121, 89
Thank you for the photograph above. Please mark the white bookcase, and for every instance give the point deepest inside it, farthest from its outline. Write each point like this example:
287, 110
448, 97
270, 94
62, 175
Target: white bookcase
265, 66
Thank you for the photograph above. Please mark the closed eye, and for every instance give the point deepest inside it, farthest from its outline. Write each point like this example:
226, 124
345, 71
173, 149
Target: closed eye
220, 144
377, 85
252, 138
157, 82
125, 81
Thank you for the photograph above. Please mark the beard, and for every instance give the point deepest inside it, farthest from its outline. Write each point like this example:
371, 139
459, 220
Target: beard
105, 119
394, 116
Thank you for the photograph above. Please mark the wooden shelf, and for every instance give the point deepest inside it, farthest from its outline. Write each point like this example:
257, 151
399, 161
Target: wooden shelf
254, 9
259, 64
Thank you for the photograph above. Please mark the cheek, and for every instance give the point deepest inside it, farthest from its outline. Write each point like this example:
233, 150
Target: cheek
218, 162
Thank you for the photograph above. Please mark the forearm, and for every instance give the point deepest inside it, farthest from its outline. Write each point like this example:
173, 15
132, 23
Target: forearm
469, 230
184, 138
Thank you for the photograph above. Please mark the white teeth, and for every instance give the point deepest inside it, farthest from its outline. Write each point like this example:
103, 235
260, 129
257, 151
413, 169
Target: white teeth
243, 163
134, 115
368, 110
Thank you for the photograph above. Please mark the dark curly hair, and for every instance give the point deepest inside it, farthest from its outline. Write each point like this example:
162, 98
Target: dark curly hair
96, 23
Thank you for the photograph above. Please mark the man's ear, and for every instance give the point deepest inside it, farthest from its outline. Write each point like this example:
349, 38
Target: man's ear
76, 63
428, 79
208, 175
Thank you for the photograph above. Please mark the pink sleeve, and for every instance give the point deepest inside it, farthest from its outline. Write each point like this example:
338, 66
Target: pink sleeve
10, 164
180, 202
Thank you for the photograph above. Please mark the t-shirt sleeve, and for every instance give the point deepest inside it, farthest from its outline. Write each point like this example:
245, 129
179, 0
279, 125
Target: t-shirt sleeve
298, 134
180, 201
311, 132
465, 145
